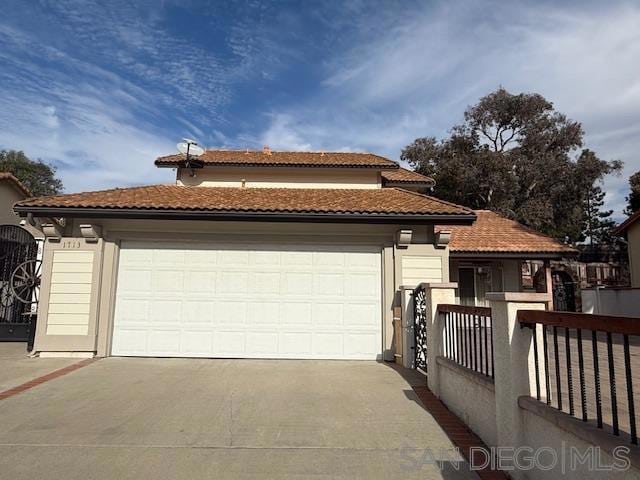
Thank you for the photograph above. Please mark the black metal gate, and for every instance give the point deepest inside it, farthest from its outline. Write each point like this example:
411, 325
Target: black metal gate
420, 327
564, 292
18, 253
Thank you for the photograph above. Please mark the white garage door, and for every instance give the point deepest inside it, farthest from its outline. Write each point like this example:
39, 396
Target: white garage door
242, 301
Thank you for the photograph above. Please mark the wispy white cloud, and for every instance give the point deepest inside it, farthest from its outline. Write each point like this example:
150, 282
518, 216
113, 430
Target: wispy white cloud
416, 77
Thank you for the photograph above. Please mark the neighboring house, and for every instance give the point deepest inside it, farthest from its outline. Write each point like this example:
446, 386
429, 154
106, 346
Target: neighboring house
616, 300
257, 254
630, 229
495, 254
11, 191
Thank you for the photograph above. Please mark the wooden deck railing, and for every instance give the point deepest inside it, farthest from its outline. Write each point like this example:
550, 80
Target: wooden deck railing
468, 337
620, 336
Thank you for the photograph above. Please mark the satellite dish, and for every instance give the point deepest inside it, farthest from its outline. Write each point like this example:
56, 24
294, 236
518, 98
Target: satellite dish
190, 147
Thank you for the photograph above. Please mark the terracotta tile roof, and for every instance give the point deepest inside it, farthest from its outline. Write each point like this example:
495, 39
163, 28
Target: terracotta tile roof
280, 159
402, 175
624, 226
493, 233
385, 201
8, 177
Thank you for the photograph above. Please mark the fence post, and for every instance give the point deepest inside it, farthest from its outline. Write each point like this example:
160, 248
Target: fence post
436, 294
514, 361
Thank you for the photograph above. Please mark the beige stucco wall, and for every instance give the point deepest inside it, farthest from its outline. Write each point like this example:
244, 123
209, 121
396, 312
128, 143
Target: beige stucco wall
281, 177
8, 196
457, 386
633, 237
101, 295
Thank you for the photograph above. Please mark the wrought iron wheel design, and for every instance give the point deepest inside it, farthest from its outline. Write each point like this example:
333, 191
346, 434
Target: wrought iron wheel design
6, 296
25, 281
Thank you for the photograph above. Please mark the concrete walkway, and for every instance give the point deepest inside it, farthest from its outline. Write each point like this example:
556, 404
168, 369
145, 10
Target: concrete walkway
187, 418
16, 367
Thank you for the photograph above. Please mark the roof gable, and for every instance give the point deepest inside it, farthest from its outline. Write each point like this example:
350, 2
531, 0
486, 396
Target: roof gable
15, 183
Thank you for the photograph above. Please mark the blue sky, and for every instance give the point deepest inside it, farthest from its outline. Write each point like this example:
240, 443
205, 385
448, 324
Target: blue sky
100, 89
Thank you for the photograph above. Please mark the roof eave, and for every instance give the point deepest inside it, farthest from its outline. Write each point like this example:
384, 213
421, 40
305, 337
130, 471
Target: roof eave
178, 164
166, 214
621, 229
512, 255
400, 184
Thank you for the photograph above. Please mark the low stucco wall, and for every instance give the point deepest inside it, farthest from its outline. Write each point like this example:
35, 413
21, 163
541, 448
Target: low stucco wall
471, 397
540, 432
611, 301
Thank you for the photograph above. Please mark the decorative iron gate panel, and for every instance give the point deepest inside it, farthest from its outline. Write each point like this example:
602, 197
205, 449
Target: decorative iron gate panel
17, 246
564, 292
420, 327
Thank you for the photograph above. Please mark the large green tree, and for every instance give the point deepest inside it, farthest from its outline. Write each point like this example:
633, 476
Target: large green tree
515, 154
36, 175
633, 200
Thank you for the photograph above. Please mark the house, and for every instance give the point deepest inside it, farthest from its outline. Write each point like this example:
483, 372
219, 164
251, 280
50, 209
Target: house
620, 300
497, 254
11, 191
249, 254
630, 229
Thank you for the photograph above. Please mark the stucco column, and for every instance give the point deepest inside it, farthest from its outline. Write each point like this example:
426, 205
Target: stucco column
436, 294
514, 361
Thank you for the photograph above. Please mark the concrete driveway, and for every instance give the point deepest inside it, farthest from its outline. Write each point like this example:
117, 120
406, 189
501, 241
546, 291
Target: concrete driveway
16, 367
188, 418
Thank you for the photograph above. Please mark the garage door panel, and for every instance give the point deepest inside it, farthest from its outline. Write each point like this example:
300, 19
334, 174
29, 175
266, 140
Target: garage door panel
196, 342
198, 312
360, 315
295, 344
130, 341
201, 258
263, 314
247, 301
360, 344
131, 279
233, 282
229, 343
168, 256
265, 283
166, 311
297, 313
133, 310
327, 315
265, 258
328, 259
262, 343
328, 345
199, 281
328, 284
163, 342
234, 257
230, 313
298, 259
